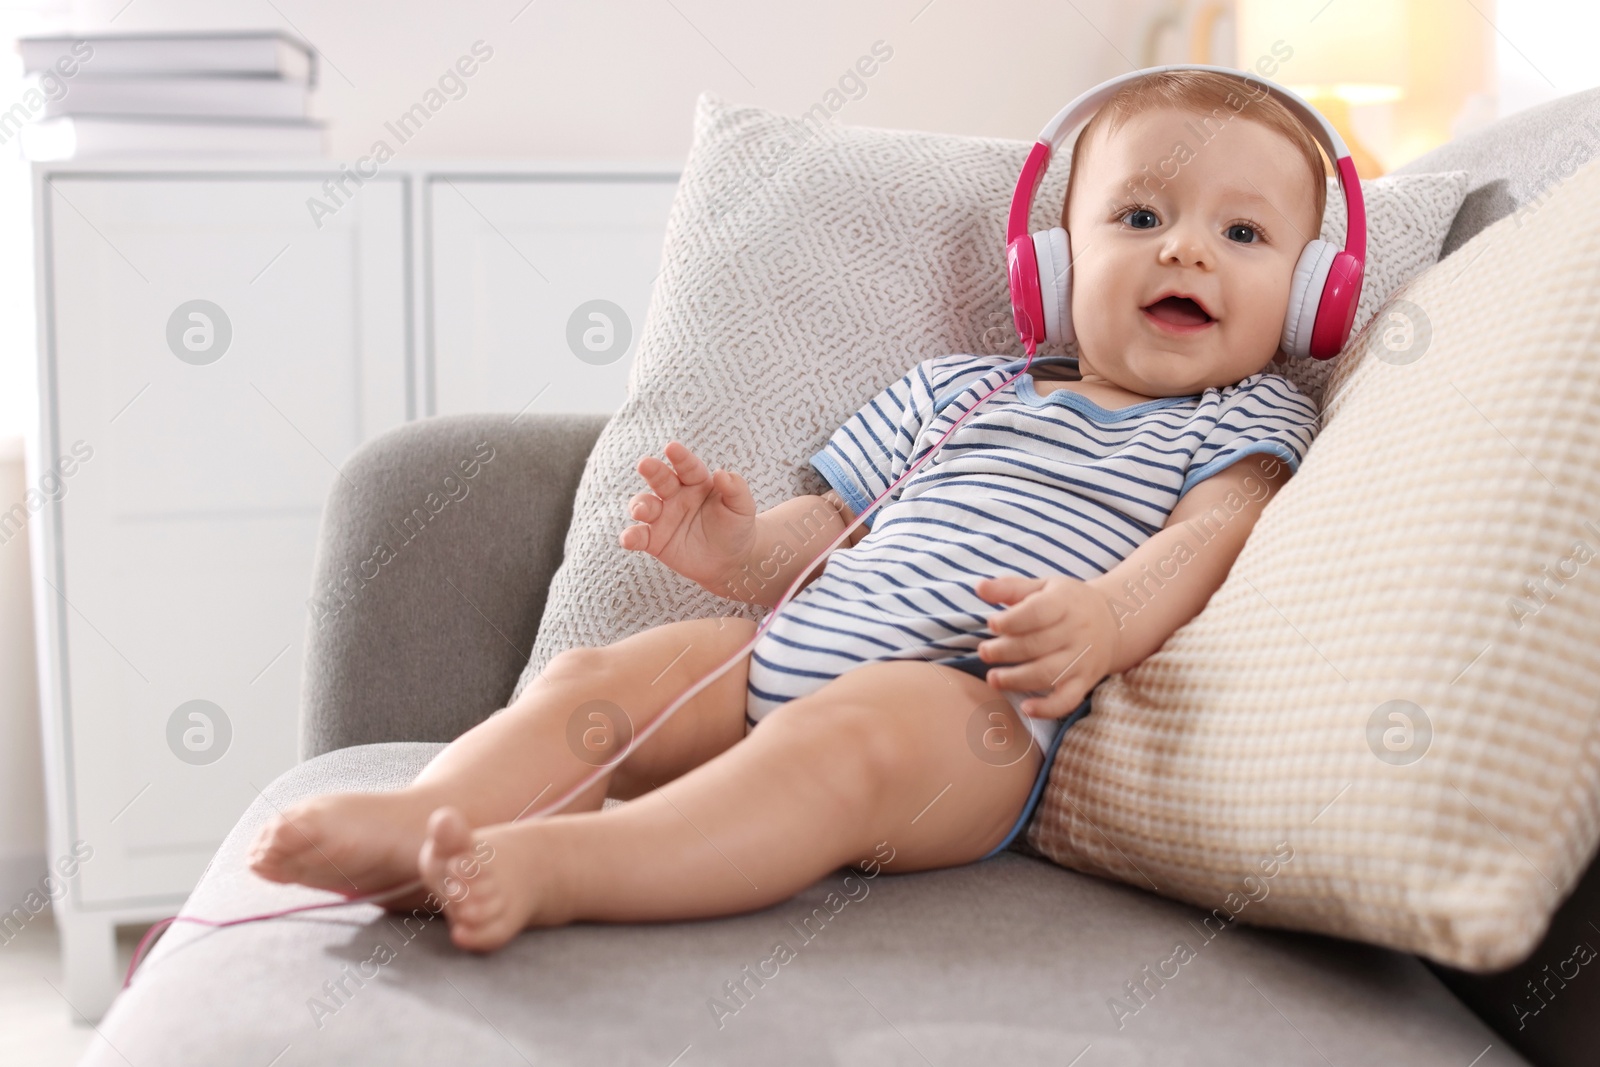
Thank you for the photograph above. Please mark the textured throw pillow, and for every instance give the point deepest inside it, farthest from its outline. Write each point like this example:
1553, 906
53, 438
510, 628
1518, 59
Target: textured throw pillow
1383, 725
803, 272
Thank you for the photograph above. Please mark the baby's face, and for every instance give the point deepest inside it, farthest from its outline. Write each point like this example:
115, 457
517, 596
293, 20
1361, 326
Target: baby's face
1221, 222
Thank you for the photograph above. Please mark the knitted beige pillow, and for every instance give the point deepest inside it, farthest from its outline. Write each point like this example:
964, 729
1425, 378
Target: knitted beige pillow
1398, 685
804, 271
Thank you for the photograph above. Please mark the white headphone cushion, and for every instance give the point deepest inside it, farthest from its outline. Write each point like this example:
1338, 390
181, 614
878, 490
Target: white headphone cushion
1050, 248
1305, 296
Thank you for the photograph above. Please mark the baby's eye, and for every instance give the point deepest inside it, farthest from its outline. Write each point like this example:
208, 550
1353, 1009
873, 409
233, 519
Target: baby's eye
1243, 232
1141, 218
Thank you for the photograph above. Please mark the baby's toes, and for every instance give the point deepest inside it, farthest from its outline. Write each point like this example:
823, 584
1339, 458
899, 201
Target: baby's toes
477, 902
445, 848
483, 921
276, 846
480, 901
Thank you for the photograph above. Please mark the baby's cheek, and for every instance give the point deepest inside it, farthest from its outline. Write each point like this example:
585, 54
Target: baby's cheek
1259, 307
1096, 305
1094, 323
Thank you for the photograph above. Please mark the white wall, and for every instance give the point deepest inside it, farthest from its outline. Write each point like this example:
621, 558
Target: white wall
22, 839
612, 79
1545, 49
603, 80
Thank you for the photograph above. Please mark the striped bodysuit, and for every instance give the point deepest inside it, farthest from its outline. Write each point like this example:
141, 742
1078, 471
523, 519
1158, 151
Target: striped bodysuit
1029, 484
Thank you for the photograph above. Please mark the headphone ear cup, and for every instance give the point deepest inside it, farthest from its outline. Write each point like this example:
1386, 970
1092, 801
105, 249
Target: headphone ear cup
1336, 310
1052, 250
1022, 272
1305, 295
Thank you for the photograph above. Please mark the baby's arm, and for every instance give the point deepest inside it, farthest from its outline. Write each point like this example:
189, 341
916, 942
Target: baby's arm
1165, 582
788, 536
1065, 635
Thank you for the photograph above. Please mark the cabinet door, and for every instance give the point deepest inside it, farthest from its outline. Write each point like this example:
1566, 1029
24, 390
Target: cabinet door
538, 288
214, 356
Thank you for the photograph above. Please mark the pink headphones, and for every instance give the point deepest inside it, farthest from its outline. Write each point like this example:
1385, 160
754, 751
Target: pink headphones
1326, 284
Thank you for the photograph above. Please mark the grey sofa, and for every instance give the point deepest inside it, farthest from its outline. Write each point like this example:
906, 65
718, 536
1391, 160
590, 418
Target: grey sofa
1008, 961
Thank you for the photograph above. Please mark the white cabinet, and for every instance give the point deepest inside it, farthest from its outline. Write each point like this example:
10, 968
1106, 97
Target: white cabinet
210, 355
182, 534
538, 286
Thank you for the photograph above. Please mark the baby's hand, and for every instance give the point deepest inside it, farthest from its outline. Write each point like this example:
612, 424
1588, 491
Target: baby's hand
1060, 633
701, 523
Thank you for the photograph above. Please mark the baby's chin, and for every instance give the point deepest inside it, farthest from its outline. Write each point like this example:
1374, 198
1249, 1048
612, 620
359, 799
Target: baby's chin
1159, 374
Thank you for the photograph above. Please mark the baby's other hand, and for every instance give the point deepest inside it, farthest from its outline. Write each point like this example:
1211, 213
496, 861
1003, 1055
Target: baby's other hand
1059, 634
699, 522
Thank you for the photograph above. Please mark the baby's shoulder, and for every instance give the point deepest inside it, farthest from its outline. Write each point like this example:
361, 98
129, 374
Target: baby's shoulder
958, 363
949, 373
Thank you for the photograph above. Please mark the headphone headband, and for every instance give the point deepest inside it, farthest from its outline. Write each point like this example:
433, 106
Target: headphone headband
1056, 130
1083, 108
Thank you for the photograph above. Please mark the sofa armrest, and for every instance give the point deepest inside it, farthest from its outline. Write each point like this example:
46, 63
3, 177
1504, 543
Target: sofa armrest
437, 545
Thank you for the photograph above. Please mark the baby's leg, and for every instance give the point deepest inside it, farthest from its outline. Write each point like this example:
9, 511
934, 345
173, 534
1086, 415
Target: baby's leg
528, 755
905, 758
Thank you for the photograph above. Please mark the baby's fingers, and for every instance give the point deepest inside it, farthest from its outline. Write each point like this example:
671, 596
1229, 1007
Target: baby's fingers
1063, 677
635, 537
690, 467
645, 507
662, 478
1061, 701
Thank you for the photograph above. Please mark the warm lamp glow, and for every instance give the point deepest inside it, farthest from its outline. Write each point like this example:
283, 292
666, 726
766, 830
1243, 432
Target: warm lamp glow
1353, 93
1351, 53
1344, 43
1416, 73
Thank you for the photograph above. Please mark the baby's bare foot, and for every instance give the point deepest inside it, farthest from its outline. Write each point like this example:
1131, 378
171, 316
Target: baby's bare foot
494, 881
351, 843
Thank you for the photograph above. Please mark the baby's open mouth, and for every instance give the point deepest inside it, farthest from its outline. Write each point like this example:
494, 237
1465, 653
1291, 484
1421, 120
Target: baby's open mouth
1180, 313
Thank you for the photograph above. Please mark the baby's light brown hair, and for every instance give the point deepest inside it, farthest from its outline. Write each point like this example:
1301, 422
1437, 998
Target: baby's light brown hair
1217, 99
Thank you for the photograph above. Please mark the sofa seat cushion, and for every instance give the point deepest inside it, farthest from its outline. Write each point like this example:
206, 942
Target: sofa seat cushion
1012, 960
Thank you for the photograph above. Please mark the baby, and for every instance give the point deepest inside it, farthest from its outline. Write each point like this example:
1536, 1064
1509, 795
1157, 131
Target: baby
1101, 502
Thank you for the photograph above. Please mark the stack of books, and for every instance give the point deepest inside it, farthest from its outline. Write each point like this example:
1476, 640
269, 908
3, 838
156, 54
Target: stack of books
200, 94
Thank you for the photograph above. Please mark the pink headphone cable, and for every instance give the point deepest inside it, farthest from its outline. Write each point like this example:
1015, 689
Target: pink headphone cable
415, 884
